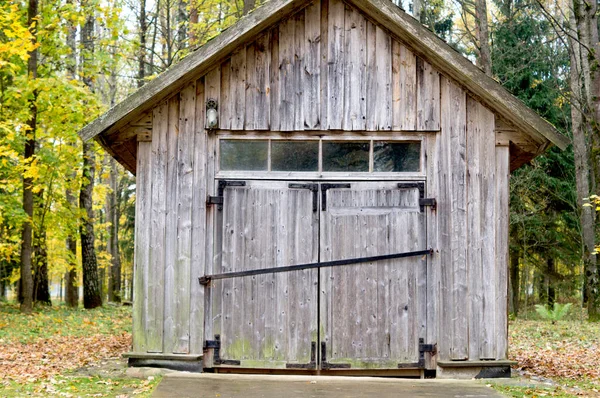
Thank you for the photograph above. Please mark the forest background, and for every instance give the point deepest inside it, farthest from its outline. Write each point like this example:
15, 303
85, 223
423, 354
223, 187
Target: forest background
67, 208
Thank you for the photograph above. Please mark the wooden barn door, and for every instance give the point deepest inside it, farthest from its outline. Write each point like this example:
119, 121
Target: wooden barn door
369, 314
266, 320
372, 314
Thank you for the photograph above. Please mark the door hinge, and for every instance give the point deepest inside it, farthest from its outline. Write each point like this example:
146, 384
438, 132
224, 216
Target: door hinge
427, 202
218, 200
423, 348
313, 359
325, 188
314, 188
216, 346
423, 201
326, 365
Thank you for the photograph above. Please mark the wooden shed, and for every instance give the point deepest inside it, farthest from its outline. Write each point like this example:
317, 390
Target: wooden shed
323, 188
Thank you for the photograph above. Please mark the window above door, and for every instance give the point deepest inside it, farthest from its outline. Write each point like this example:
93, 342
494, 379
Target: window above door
319, 156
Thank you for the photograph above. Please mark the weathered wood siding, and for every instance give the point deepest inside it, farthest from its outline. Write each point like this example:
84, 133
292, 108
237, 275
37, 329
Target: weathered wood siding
468, 174
170, 228
360, 78
327, 68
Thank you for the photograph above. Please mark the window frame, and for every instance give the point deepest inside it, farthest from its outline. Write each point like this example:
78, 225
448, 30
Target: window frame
321, 137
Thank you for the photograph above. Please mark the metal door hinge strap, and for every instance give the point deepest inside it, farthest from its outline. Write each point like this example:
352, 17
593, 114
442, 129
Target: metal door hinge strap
423, 201
423, 348
205, 280
313, 359
218, 200
216, 346
324, 188
312, 187
326, 365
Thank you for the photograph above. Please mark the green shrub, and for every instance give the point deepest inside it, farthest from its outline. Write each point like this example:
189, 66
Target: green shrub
556, 314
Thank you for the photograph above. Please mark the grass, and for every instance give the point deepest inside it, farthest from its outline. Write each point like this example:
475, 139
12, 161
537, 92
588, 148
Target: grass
59, 351
74, 386
567, 353
46, 322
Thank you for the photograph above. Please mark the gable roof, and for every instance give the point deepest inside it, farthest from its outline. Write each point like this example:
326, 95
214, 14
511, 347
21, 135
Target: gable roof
421, 40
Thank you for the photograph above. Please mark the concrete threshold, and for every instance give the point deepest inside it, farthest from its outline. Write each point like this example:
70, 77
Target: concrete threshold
183, 384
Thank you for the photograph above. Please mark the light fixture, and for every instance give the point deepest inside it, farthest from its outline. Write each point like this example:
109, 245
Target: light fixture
212, 116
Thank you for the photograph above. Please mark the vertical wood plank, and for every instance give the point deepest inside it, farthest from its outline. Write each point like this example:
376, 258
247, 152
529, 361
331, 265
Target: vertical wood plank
275, 97
404, 76
384, 79
335, 63
198, 214
371, 88
251, 87
155, 309
432, 156
143, 215
488, 231
299, 71
379, 79
428, 97
324, 64
312, 66
171, 179
502, 221
474, 220
238, 88
213, 90
287, 94
262, 99
226, 101
185, 153
355, 106
455, 140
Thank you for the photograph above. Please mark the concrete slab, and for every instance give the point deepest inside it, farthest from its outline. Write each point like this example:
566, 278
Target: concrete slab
265, 386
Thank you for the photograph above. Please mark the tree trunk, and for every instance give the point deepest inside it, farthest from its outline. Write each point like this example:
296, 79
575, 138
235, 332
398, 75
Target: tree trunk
484, 60
41, 283
142, 51
549, 276
112, 216
91, 285
584, 81
71, 281
26, 285
417, 7
514, 282
248, 6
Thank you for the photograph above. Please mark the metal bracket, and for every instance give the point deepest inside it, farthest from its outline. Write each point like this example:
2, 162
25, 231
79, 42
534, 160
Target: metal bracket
421, 187
312, 187
325, 188
326, 365
313, 359
216, 346
423, 348
428, 202
218, 200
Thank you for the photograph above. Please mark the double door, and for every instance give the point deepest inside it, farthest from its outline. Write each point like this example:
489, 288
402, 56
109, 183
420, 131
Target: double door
318, 275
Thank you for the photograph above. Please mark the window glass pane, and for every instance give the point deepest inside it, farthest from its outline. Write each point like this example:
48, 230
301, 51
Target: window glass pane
395, 156
345, 156
244, 155
294, 155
